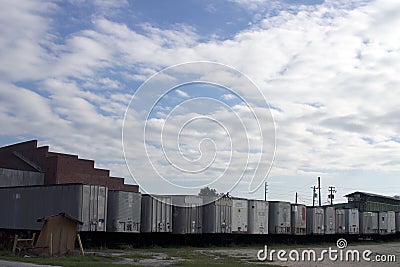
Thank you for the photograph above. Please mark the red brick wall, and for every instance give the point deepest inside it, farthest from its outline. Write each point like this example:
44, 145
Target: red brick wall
60, 168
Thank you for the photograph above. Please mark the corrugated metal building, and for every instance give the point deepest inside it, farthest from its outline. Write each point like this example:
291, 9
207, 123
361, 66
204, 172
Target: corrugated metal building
369, 222
298, 219
372, 202
123, 211
21, 206
279, 217
329, 220
239, 215
352, 218
10, 177
187, 214
156, 214
315, 220
217, 215
258, 217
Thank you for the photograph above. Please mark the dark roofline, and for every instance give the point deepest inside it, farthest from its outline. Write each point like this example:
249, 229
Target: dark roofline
372, 195
60, 214
47, 185
255, 199
278, 201
35, 141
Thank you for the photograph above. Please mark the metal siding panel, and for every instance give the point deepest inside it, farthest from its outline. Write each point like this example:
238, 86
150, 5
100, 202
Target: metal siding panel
383, 222
102, 219
368, 222
168, 212
279, 217
146, 214
123, 213
298, 219
226, 226
252, 217
397, 219
315, 220
352, 221
94, 207
221, 226
102, 208
186, 214
286, 217
257, 217
112, 214
391, 222
94, 196
273, 218
160, 219
179, 217
340, 221
156, 215
210, 218
85, 208
239, 215
329, 220
375, 222
217, 216
137, 212
26, 204
9, 178
199, 216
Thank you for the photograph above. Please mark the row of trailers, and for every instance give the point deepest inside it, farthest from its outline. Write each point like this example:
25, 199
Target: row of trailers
196, 215
103, 210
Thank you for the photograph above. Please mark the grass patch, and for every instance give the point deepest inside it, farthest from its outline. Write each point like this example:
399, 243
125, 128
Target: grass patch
128, 255
80, 261
236, 255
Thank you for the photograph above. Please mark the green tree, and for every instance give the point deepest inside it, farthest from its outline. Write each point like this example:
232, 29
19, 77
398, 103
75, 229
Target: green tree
208, 192
211, 192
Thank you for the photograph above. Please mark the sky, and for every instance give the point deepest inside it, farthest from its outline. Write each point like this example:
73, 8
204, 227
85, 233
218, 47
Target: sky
322, 76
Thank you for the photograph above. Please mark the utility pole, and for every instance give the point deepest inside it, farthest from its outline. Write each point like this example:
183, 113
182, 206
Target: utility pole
319, 190
265, 190
314, 195
296, 198
331, 195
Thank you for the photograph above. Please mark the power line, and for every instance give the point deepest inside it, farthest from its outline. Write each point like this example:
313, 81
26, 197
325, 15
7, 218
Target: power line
319, 190
314, 196
331, 195
265, 190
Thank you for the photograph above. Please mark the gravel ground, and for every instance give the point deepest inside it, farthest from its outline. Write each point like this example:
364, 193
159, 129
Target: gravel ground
244, 256
381, 255
249, 255
377, 250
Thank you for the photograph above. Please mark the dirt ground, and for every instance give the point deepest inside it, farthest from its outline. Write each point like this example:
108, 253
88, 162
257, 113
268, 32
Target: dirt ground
377, 250
237, 256
244, 256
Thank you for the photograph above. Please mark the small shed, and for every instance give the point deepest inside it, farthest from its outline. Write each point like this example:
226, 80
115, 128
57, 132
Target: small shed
58, 235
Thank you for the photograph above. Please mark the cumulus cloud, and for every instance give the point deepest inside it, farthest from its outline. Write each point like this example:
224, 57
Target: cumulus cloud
330, 71
181, 93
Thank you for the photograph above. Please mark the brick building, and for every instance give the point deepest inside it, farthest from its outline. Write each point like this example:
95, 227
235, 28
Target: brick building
58, 168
